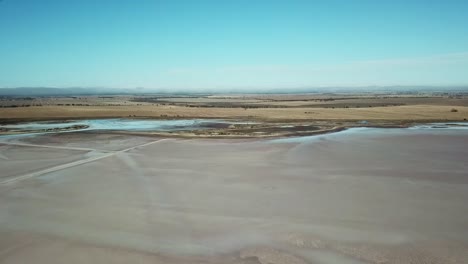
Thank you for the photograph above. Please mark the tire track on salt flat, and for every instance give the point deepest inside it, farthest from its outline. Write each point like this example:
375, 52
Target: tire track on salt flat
74, 163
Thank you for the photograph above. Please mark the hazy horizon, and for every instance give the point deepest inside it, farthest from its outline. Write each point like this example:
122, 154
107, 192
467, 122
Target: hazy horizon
68, 91
233, 46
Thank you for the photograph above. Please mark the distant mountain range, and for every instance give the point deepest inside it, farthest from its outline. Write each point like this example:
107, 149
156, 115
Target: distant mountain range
74, 91
48, 91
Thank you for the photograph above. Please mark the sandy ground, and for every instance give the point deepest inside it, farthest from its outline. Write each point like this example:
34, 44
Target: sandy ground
360, 196
410, 112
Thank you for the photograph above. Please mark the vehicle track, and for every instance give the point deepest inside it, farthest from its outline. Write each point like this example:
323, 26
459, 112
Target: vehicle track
74, 163
54, 147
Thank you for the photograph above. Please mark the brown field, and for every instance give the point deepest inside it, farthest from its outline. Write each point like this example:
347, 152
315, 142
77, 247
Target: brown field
411, 112
254, 107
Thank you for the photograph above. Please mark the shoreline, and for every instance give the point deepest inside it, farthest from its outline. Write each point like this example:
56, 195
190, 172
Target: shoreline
262, 130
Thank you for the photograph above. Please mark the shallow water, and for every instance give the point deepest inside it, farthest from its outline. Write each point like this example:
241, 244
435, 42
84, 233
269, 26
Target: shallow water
452, 128
124, 124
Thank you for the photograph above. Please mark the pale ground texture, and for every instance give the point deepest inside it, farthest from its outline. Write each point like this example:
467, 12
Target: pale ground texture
360, 196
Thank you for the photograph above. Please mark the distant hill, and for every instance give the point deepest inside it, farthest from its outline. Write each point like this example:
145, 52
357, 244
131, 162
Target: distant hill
47, 91
75, 91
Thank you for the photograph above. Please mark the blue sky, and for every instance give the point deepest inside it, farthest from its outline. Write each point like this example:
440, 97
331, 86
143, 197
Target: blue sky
232, 44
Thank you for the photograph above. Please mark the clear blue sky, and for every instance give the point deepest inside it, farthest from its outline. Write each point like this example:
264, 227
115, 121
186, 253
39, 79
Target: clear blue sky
229, 44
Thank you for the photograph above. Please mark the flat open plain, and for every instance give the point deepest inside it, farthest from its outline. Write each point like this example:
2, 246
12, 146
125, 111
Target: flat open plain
264, 107
358, 196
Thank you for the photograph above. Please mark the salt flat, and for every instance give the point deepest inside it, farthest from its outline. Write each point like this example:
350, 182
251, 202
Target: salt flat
359, 196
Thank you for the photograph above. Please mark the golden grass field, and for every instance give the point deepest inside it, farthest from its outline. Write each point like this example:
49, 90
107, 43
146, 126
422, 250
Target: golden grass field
405, 112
